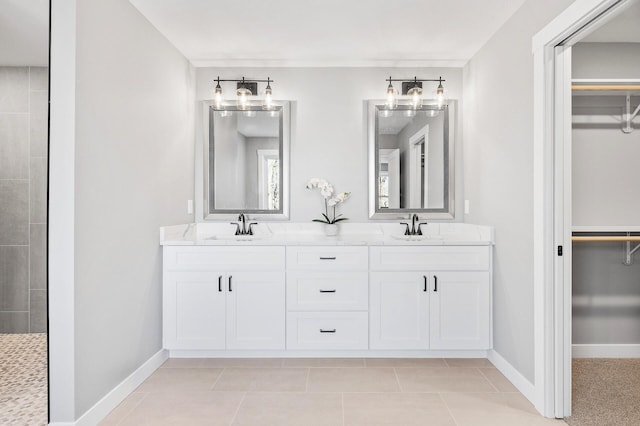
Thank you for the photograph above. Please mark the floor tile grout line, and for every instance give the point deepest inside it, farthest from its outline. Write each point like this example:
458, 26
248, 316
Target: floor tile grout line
448, 409
235, 415
218, 378
306, 385
342, 402
145, 394
395, 373
488, 380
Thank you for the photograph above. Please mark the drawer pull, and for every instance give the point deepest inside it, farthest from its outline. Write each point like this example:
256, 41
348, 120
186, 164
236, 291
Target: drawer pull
328, 258
327, 291
230, 276
220, 283
435, 283
425, 283
327, 331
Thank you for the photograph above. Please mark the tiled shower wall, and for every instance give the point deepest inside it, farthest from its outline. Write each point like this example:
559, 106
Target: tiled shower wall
23, 198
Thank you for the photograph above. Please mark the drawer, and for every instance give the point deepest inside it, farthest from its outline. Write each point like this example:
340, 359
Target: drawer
323, 258
447, 258
327, 330
327, 291
228, 258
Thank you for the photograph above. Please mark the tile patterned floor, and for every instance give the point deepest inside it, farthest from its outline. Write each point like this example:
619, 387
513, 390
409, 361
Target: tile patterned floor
23, 379
326, 392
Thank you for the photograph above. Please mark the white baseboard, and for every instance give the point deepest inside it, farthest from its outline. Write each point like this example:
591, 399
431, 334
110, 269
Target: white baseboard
525, 387
605, 351
316, 353
99, 411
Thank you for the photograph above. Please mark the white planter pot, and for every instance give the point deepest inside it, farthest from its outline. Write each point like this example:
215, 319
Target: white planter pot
331, 229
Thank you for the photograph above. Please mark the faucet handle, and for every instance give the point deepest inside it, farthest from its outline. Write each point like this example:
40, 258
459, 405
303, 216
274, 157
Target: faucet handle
250, 231
237, 227
419, 232
406, 231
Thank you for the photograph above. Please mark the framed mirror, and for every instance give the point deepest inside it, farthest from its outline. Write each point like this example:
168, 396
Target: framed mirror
411, 164
246, 162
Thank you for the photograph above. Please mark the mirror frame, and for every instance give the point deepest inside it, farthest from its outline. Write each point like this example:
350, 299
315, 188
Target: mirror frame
445, 213
204, 211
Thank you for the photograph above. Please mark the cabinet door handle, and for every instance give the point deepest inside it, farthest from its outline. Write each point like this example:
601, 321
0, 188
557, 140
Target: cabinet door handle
220, 283
327, 331
327, 291
435, 283
328, 258
425, 283
230, 276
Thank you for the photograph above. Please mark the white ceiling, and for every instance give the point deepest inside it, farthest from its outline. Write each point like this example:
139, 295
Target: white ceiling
24, 32
328, 32
623, 28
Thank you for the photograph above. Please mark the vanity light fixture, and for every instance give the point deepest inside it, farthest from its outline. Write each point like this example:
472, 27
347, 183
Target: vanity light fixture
412, 89
245, 89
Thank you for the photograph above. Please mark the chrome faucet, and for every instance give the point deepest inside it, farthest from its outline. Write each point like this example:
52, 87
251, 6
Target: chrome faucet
244, 230
413, 230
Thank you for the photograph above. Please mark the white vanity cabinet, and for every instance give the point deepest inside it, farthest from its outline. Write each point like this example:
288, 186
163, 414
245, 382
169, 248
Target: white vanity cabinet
327, 297
436, 298
223, 298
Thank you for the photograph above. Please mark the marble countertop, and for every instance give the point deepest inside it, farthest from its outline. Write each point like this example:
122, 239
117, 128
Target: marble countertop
288, 233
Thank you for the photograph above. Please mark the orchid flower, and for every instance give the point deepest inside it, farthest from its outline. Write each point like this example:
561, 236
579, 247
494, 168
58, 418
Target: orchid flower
326, 190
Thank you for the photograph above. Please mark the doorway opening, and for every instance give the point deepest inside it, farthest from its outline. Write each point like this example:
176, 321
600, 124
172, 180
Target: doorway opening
24, 153
578, 296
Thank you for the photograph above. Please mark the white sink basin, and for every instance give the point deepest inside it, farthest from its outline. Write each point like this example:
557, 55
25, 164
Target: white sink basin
416, 237
238, 237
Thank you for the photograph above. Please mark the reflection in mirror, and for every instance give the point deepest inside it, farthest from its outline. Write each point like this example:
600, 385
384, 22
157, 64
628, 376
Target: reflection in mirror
246, 157
412, 154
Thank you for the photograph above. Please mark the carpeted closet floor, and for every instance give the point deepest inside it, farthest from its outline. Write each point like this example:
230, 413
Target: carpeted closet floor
23, 379
606, 392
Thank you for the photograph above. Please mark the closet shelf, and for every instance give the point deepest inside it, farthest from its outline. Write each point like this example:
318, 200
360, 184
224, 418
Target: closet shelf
602, 237
612, 87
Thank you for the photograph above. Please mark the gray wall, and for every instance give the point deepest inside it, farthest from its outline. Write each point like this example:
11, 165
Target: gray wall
23, 202
606, 293
329, 135
498, 158
133, 173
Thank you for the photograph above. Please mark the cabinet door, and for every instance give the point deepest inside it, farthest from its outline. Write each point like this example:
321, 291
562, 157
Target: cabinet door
398, 311
255, 310
460, 310
194, 310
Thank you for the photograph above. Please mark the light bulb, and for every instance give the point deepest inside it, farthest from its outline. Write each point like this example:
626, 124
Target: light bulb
392, 98
415, 94
217, 94
243, 97
267, 102
440, 93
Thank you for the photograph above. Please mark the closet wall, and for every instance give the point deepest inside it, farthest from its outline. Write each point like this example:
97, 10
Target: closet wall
606, 293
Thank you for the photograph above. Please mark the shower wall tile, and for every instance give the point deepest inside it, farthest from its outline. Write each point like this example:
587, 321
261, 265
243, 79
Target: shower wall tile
14, 212
38, 212
14, 322
14, 89
39, 78
38, 257
39, 123
14, 146
38, 311
14, 278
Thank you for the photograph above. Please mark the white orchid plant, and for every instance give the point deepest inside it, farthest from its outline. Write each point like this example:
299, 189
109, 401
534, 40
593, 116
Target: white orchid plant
326, 190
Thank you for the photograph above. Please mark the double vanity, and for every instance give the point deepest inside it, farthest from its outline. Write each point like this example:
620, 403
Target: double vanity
288, 290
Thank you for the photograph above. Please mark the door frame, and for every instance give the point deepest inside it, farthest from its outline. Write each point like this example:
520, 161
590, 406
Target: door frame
552, 198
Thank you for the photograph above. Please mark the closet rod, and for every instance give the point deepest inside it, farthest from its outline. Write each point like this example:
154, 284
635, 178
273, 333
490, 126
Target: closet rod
584, 238
604, 87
